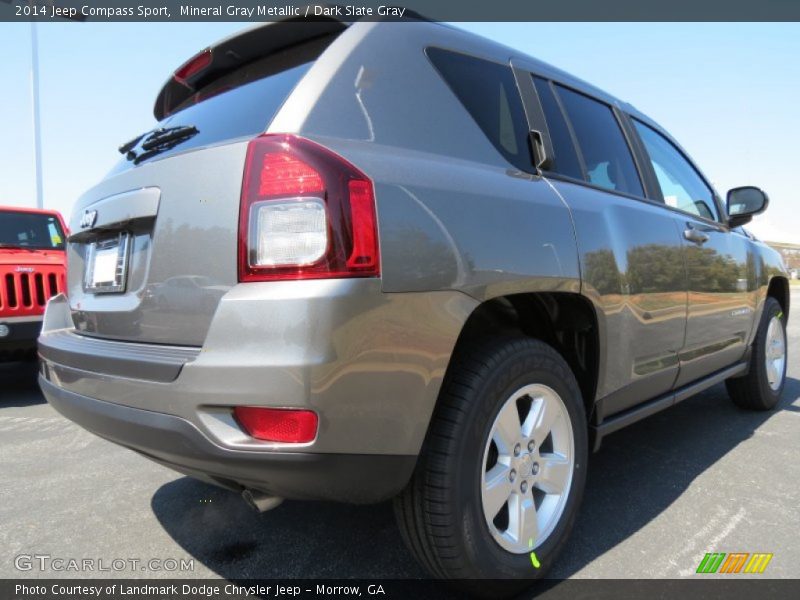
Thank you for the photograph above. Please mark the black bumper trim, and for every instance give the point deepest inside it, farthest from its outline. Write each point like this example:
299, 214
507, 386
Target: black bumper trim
21, 332
20, 342
177, 443
113, 357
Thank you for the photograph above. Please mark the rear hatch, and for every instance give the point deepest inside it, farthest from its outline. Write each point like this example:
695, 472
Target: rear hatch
154, 245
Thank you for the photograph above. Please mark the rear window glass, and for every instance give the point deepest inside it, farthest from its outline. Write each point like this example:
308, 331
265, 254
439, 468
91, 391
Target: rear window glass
241, 103
608, 159
565, 160
489, 93
30, 230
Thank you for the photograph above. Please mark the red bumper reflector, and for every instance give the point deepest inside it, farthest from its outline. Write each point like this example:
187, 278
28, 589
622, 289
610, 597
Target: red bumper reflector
278, 424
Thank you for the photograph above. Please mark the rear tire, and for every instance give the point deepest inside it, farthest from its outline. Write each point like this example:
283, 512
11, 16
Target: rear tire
763, 385
465, 468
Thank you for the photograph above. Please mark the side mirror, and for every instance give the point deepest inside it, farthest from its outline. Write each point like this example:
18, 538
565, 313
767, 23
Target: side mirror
744, 203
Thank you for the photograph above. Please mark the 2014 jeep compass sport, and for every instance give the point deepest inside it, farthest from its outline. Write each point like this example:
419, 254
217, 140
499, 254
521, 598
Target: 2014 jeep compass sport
407, 263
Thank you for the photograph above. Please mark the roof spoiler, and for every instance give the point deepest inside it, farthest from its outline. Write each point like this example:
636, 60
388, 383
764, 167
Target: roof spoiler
254, 43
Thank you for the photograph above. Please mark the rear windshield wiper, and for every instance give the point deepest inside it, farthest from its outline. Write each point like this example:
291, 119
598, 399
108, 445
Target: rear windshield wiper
169, 135
128, 146
157, 141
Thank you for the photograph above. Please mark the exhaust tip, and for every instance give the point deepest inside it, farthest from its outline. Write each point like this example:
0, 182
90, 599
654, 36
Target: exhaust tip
259, 501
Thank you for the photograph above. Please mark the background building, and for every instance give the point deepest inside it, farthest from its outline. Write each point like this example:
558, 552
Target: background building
791, 256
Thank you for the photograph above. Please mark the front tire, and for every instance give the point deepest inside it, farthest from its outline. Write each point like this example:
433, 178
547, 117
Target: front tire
502, 471
763, 385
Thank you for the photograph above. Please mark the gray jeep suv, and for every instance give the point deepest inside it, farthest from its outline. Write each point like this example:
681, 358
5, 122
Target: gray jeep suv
433, 269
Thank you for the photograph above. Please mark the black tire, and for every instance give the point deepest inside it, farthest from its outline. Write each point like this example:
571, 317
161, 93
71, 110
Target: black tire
440, 513
753, 391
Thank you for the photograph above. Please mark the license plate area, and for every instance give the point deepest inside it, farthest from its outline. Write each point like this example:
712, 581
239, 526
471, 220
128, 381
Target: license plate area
107, 265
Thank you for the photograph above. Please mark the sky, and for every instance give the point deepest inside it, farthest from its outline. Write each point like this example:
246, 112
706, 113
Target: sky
728, 92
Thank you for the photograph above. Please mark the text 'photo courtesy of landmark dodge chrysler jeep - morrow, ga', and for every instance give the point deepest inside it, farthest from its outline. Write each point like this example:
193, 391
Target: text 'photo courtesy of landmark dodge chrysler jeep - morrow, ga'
31, 272
447, 271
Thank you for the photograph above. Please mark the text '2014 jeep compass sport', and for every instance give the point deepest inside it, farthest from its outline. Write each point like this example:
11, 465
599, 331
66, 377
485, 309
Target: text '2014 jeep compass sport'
407, 262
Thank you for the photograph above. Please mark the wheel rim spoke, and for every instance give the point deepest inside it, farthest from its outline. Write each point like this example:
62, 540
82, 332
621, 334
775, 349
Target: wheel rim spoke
541, 419
523, 524
555, 473
772, 372
496, 490
507, 429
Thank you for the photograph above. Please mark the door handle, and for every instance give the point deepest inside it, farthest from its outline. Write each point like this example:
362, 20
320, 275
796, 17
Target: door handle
694, 235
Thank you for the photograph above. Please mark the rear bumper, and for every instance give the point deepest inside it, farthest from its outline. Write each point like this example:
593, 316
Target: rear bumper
369, 364
176, 443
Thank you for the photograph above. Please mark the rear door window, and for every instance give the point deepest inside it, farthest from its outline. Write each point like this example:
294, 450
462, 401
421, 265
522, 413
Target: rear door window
606, 155
681, 185
488, 92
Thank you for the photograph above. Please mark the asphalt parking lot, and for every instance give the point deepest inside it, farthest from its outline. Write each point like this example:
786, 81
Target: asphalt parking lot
703, 476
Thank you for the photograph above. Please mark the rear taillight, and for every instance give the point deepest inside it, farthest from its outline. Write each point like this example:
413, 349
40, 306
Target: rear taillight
291, 426
306, 213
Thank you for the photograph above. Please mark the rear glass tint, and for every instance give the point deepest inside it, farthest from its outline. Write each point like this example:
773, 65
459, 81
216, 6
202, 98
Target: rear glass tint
241, 103
489, 93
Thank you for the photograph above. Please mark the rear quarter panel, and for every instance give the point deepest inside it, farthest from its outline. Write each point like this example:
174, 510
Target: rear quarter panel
453, 214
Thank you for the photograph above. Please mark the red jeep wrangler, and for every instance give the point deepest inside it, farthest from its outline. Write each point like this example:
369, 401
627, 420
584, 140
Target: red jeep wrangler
32, 269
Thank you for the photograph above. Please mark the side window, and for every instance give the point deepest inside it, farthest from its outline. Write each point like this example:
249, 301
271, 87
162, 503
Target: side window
489, 93
566, 159
606, 154
681, 186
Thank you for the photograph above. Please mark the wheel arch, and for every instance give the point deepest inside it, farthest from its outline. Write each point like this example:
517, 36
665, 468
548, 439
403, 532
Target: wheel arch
779, 289
564, 320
